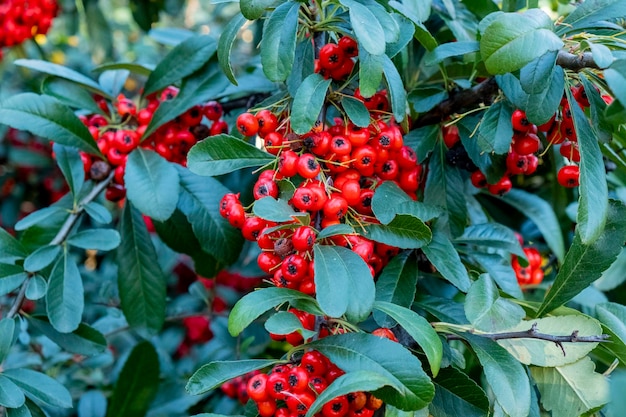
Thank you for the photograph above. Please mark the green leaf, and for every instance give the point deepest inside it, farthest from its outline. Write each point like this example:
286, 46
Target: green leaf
253, 305
343, 283
356, 111
571, 390
404, 231
544, 353
370, 72
152, 183
351, 382
364, 352
98, 239
505, 375
542, 215
137, 384
512, 40
40, 386
7, 331
140, 69
170, 36
450, 49
418, 328
114, 80
285, 322
384, 193
500, 269
368, 30
487, 311
253, 9
441, 253
416, 11
65, 295
92, 403
187, 57
98, 213
11, 249
71, 166
214, 374
225, 45
406, 30
395, 87
590, 12
11, 396
37, 288
222, 154
491, 235
396, 284
199, 201
85, 340
583, 264
62, 72
41, 258
141, 281
308, 102
302, 68
425, 98
70, 94
613, 318
268, 208
47, 117
11, 277
496, 130
457, 394
535, 76
593, 203
278, 44
334, 230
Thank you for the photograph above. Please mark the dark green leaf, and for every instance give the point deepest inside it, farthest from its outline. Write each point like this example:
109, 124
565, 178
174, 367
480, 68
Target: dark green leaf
370, 72
70, 94
225, 45
450, 49
442, 308
11, 277
10, 249
71, 166
590, 12
141, 281
496, 130
92, 403
593, 203
351, 382
182, 61
441, 253
11, 396
284, 323
222, 154
368, 30
384, 193
334, 230
170, 36
512, 40
253, 9
65, 295
505, 375
343, 283
406, 30
199, 201
40, 386
7, 331
98, 212
457, 394
404, 231
500, 269
278, 44
139, 69
423, 140
492, 235
214, 374
85, 340
268, 208
37, 287
535, 76
98, 239
302, 67
364, 352
487, 311
395, 87
396, 284
41, 258
47, 117
152, 183
356, 111
137, 384
308, 102
613, 318
62, 72
426, 98
253, 305
419, 329
114, 80
542, 214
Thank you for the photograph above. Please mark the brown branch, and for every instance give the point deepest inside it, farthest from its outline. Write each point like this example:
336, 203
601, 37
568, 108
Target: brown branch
464, 99
575, 62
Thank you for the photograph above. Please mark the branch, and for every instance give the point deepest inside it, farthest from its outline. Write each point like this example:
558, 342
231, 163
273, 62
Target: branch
463, 99
575, 62
61, 236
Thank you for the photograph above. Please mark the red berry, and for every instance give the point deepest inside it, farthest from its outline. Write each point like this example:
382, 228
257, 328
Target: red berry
569, 176
501, 187
308, 167
257, 387
247, 124
520, 122
331, 56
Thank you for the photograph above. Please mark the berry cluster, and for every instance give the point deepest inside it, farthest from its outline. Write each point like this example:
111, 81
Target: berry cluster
23, 19
336, 171
237, 388
289, 390
532, 274
117, 135
335, 59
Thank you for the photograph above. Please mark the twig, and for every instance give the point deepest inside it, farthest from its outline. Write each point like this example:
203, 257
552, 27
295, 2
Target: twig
575, 62
61, 236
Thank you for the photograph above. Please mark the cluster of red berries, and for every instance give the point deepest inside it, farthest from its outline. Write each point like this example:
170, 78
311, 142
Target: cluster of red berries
237, 388
23, 19
337, 171
532, 274
335, 59
290, 390
118, 137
